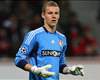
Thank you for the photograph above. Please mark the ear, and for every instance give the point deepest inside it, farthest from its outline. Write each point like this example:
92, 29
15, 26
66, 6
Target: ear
42, 15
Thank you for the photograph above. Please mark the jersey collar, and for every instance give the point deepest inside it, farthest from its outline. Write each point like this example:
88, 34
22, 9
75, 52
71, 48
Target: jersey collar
48, 31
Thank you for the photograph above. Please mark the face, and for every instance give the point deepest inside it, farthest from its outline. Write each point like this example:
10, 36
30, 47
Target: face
51, 16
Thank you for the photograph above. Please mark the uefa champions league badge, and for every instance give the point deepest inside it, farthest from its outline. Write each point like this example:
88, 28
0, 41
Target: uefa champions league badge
60, 42
23, 50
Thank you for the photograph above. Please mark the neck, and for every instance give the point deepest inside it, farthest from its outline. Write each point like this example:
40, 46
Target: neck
51, 29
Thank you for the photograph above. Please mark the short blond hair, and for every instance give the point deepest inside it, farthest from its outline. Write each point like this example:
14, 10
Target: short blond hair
49, 3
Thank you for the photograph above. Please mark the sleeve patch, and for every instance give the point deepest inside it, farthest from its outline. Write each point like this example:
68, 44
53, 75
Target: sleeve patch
23, 50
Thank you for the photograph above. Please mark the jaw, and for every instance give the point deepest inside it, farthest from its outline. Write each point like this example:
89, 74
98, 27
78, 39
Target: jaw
51, 25
50, 28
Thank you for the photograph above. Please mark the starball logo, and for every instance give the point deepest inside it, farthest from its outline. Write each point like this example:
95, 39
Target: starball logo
23, 50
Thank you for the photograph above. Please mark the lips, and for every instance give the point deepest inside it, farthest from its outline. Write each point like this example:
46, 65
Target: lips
53, 20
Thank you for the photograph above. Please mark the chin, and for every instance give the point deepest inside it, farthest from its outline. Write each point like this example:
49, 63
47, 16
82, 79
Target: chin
52, 26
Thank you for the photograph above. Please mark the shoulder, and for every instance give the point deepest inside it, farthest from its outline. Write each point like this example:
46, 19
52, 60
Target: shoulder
32, 34
60, 34
62, 37
36, 31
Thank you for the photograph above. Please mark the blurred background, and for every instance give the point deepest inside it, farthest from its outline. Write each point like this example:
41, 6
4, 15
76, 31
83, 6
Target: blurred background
80, 22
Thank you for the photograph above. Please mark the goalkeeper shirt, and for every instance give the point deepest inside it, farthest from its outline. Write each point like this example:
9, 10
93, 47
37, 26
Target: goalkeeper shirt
41, 47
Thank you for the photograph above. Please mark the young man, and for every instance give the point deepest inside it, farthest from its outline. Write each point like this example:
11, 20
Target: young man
42, 51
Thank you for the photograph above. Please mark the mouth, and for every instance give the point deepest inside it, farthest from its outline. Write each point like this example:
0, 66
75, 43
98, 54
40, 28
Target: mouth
53, 21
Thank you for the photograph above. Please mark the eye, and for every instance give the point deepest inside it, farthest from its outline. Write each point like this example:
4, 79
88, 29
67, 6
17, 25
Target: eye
56, 12
49, 12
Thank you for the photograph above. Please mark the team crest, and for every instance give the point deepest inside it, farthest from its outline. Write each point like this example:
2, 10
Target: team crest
60, 42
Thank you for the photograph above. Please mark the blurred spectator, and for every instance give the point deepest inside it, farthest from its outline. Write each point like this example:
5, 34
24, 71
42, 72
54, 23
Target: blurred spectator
98, 14
5, 44
11, 25
37, 21
73, 31
25, 26
23, 9
13, 31
37, 4
74, 25
84, 45
74, 46
88, 43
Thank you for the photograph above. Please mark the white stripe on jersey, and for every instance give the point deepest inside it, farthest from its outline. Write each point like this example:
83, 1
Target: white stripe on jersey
60, 34
31, 34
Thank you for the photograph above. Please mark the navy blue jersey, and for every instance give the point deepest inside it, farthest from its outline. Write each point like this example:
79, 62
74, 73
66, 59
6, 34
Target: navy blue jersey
40, 48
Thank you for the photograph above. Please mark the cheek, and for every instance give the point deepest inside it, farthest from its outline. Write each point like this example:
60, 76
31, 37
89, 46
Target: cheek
58, 16
48, 18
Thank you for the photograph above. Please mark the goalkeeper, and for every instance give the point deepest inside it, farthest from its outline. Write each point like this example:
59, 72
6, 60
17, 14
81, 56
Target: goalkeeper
42, 51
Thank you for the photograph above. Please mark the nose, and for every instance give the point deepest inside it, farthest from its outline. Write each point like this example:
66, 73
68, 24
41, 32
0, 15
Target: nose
54, 16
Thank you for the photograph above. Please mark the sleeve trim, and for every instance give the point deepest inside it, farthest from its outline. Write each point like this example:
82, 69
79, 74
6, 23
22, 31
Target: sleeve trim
21, 64
62, 67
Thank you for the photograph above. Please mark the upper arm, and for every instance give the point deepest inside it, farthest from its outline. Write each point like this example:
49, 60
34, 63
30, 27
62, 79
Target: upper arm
25, 49
62, 57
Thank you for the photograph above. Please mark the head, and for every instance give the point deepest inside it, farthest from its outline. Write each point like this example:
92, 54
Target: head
50, 13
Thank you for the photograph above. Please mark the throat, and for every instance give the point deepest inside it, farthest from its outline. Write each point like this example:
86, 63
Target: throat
50, 29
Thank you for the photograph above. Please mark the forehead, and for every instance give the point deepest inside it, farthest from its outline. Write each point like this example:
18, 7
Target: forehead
52, 8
